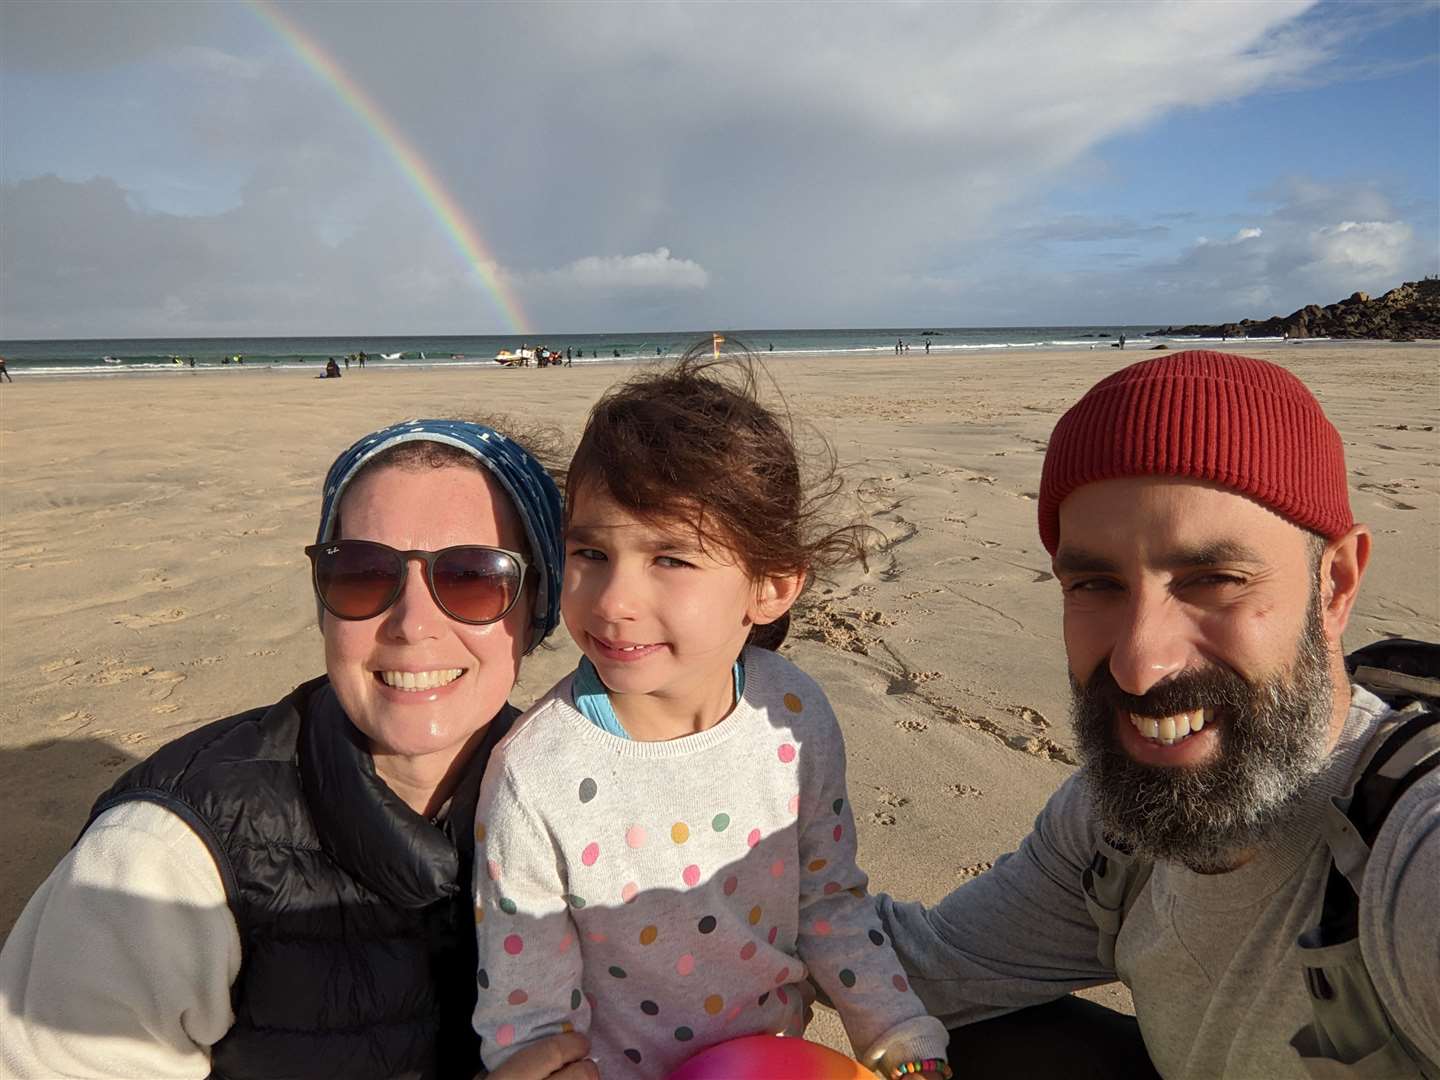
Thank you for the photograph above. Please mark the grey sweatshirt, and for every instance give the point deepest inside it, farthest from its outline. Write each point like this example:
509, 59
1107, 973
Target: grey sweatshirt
1211, 960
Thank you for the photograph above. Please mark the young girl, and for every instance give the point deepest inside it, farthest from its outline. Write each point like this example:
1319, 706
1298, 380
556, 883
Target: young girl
665, 852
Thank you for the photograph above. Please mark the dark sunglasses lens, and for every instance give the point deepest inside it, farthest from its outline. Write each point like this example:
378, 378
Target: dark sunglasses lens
356, 580
476, 584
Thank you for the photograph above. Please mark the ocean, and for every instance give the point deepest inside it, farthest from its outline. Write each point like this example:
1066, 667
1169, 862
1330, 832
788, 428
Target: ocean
157, 357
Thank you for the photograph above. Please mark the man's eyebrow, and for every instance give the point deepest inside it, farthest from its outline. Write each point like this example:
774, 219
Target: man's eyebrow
1071, 560
1215, 553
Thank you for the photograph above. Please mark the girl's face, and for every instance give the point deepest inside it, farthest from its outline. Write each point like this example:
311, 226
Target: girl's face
661, 619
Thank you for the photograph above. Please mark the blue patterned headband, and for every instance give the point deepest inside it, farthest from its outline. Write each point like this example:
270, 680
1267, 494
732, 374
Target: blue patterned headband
524, 479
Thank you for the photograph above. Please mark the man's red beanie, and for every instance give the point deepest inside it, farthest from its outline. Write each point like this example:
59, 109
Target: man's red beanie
1240, 423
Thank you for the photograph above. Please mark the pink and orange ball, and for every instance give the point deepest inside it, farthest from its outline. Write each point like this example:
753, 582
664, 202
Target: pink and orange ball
768, 1057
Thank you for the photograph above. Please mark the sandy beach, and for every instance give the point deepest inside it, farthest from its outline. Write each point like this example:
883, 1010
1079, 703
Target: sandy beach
152, 578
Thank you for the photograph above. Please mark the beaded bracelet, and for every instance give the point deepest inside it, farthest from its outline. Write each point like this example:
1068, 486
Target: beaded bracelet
935, 1065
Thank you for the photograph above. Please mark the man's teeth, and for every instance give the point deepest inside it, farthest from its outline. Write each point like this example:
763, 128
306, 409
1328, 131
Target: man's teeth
1168, 730
420, 680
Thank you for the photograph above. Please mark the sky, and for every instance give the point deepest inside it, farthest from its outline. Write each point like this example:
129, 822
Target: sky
272, 169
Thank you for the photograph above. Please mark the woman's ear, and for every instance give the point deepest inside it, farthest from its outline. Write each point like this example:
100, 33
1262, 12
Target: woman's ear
775, 595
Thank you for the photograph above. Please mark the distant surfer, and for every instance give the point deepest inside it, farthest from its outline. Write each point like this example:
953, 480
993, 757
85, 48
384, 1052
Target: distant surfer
5, 371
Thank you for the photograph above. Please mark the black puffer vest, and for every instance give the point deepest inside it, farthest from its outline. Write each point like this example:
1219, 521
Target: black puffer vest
356, 926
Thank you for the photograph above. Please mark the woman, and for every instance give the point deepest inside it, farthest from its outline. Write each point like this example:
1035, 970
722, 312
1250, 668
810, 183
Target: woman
285, 892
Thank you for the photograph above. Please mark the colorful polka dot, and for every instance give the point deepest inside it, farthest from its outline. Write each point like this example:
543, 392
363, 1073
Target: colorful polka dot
617, 971
649, 1008
822, 927
483, 978
877, 938
566, 1027
755, 914
588, 788
508, 906
816, 865
575, 998
505, 1034
492, 868
733, 1013
514, 944
596, 937
787, 753
479, 832
838, 805
747, 951
685, 965
847, 977
714, 1004
720, 822
479, 915
753, 838
763, 998
784, 997
634, 1056
629, 891
793, 703
648, 935
635, 837
577, 902
838, 833
777, 868
691, 875
856, 891
773, 934
683, 1034
590, 854
899, 983
706, 925
731, 884
783, 975
565, 943
679, 832
794, 804
518, 997
831, 888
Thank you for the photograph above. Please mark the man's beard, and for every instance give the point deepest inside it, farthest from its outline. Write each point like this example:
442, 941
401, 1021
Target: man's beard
1273, 737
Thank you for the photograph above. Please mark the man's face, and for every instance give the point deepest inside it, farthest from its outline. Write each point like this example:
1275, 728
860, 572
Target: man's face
1199, 664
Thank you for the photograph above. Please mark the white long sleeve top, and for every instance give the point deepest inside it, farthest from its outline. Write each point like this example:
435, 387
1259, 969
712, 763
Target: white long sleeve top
667, 896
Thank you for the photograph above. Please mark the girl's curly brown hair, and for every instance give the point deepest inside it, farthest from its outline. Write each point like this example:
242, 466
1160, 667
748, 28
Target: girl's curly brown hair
692, 443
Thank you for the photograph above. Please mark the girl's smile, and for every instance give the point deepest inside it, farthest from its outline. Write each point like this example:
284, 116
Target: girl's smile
660, 614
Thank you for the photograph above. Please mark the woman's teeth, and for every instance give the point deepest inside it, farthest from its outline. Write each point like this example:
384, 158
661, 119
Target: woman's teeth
1168, 730
420, 680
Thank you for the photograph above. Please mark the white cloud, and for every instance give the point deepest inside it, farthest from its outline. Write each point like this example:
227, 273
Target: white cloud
650, 270
1371, 248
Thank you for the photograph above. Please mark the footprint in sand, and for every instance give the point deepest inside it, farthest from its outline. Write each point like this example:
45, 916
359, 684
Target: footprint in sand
170, 707
882, 817
111, 676
912, 725
60, 665
168, 682
1033, 716
964, 791
149, 619
974, 870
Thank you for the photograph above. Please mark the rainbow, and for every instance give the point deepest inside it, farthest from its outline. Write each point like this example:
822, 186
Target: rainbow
442, 205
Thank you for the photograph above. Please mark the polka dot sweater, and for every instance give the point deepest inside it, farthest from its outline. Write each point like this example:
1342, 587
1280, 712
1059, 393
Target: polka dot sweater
667, 896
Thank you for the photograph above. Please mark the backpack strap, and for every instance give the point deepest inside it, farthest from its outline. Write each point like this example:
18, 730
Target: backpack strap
1406, 749
1112, 881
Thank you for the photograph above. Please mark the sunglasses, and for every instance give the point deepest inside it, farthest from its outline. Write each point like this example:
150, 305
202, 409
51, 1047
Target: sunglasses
359, 579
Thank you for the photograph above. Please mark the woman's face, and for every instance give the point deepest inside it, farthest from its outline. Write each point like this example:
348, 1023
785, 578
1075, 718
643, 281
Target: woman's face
427, 509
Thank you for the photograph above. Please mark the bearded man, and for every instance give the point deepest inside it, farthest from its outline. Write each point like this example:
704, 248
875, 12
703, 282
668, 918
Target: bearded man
1197, 514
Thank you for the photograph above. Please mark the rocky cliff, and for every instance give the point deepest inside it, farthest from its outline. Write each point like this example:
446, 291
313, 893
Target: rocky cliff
1404, 313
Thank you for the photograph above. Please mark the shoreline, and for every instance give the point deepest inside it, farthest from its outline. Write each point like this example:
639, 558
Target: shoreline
1134, 347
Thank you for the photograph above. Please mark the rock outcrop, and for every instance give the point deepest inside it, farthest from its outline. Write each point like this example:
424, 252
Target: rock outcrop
1404, 313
